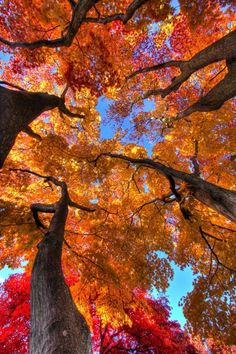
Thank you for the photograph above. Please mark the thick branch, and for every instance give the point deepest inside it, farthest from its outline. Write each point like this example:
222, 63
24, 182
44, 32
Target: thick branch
216, 97
176, 63
78, 15
11, 85
223, 49
44, 208
80, 9
62, 108
19, 109
28, 130
220, 199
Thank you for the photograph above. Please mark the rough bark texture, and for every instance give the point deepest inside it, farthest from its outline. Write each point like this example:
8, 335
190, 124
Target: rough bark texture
18, 110
219, 199
57, 327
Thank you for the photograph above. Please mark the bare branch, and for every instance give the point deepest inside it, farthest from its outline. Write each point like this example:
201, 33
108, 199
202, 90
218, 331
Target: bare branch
81, 207
176, 63
153, 201
62, 108
44, 208
50, 208
213, 237
213, 252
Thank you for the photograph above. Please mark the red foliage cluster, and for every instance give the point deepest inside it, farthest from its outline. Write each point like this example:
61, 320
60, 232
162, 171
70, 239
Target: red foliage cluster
14, 315
151, 330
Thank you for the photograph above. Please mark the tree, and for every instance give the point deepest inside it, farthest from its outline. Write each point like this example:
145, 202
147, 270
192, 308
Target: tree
177, 202
150, 328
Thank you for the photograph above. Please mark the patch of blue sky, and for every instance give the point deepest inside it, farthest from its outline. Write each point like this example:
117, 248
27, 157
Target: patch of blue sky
179, 286
176, 6
4, 58
108, 129
94, 201
6, 272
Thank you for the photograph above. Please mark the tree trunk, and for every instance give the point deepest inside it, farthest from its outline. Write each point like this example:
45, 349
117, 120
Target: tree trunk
57, 327
18, 110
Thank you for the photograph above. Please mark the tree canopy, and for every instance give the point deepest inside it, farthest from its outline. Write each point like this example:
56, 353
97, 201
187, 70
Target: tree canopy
168, 71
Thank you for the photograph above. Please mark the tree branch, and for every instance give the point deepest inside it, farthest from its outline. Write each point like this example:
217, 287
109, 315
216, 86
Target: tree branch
80, 9
176, 63
213, 252
50, 208
11, 85
62, 108
217, 198
44, 208
31, 133
194, 160
223, 49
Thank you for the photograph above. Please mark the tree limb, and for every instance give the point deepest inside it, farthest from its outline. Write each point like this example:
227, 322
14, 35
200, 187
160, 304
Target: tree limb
223, 49
11, 85
62, 108
44, 208
80, 9
217, 198
28, 130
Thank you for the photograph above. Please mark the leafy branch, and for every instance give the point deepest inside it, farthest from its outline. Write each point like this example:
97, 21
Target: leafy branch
79, 12
223, 49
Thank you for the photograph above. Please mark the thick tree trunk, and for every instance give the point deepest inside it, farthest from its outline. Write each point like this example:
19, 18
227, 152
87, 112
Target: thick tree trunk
57, 327
18, 110
219, 199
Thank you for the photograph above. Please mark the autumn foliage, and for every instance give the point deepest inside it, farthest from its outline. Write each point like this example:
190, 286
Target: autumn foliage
157, 169
149, 328
14, 315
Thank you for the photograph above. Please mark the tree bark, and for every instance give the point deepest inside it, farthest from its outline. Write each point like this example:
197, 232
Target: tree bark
57, 327
19, 109
217, 198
